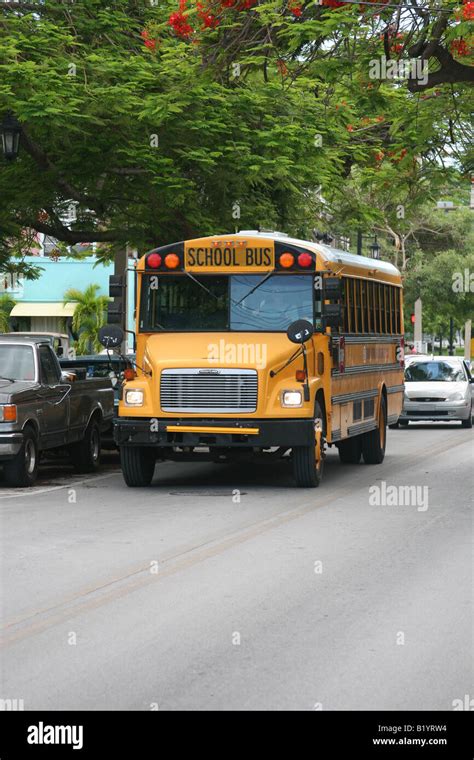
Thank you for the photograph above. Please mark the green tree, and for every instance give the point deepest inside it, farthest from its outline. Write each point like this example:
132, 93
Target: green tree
6, 305
158, 123
89, 316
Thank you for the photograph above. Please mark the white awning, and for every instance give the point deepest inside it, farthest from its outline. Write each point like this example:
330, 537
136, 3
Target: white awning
37, 309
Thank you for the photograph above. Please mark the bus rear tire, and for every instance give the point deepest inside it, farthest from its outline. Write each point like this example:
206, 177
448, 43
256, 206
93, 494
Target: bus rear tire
138, 465
350, 450
308, 461
373, 442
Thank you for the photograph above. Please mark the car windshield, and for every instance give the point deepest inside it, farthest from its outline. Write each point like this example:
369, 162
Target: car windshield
235, 302
441, 372
16, 362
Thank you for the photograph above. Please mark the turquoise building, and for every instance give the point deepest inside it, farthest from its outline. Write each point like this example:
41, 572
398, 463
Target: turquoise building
40, 306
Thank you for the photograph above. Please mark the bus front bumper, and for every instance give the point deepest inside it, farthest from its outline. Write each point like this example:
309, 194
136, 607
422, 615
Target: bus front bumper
213, 433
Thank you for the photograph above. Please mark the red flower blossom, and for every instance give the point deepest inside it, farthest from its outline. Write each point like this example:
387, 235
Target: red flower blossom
467, 11
332, 3
295, 8
149, 42
460, 47
179, 22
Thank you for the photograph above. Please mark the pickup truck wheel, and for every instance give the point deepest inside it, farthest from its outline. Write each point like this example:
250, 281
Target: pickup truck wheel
23, 469
138, 465
86, 453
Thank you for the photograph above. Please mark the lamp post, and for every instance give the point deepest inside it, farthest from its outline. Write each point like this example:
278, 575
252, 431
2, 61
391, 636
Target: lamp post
10, 131
375, 249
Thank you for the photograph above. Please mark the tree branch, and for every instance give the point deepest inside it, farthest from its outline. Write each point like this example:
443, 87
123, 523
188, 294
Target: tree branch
40, 157
449, 71
60, 232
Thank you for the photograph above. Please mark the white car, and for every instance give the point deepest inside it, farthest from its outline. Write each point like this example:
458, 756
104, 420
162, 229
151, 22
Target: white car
437, 388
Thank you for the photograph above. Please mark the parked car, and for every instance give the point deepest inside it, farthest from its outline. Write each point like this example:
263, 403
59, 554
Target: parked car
437, 388
102, 365
44, 409
59, 342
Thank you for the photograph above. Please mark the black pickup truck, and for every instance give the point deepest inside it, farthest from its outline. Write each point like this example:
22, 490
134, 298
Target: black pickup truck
44, 409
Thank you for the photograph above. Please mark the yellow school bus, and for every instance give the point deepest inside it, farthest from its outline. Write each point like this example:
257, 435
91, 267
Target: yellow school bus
258, 344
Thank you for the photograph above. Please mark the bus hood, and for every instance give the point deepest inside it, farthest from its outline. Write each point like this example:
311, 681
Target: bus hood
258, 351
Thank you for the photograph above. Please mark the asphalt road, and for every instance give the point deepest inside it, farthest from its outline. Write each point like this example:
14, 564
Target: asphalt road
224, 587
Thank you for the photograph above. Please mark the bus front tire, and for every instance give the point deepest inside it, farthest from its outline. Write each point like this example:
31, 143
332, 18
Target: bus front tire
373, 442
308, 461
350, 450
138, 465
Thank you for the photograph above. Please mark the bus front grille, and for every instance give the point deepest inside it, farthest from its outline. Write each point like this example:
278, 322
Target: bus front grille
207, 391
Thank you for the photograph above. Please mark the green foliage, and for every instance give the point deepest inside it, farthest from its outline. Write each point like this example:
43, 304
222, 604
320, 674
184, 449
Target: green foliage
89, 316
6, 305
156, 145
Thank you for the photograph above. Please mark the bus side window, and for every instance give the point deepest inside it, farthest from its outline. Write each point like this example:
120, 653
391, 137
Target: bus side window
363, 304
387, 308
347, 305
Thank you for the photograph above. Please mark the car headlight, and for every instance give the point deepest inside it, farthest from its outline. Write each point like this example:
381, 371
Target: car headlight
134, 397
291, 398
456, 397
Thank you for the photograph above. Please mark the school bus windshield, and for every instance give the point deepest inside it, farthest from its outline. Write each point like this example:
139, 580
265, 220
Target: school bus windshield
257, 303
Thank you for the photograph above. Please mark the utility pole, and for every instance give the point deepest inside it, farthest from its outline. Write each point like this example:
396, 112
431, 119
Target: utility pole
467, 339
120, 268
451, 337
418, 329
359, 242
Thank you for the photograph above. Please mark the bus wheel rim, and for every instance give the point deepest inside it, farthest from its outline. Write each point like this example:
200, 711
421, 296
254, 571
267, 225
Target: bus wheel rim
318, 444
381, 428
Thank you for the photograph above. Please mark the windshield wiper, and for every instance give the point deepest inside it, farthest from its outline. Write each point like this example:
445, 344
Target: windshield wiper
10, 379
194, 279
252, 290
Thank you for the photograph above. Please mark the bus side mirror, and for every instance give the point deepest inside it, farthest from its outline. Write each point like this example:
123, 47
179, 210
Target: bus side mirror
110, 336
300, 331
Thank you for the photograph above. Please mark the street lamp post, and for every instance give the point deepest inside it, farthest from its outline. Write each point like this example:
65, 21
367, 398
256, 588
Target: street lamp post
10, 131
375, 249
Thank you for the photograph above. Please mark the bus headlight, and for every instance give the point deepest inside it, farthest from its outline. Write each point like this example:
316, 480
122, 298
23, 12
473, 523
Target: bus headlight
134, 397
291, 398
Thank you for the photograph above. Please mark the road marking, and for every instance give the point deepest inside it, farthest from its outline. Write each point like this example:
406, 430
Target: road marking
38, 491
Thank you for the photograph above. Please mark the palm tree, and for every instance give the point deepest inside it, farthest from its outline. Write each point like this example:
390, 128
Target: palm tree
6, 305
89, 315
